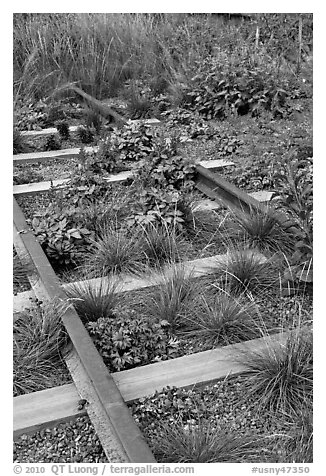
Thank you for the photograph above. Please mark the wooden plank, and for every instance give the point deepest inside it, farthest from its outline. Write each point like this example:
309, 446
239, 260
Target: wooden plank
42, 187
34, 157
194, 268
52, 406
48, 407
115, 416
46, 132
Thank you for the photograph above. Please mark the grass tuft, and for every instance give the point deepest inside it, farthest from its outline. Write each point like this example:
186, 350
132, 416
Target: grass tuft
201, 443
280, 377
161, 244
173, 297
261, 230
93, 300
38, 339
248, 271
114, 251
225, 320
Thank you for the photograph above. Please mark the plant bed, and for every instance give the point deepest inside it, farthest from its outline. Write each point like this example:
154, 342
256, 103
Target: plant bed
71, 442
220, 423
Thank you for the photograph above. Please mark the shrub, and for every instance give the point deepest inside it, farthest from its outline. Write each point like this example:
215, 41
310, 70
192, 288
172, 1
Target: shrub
93, 120
225, 320
94, 299
38, 339
127, 341
280, 377
133, 143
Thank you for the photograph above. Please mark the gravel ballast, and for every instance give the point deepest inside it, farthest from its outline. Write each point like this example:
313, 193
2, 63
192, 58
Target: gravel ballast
72, 442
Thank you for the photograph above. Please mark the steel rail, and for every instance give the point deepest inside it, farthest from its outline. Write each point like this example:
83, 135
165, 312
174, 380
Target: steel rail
120, 428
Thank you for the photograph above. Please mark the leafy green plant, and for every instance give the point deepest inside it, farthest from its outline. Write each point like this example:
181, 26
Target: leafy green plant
94, 299
226, 319
61, 235
38, 340
127, 341
133, 142
280, 375
52, 143
294, 180
63, 129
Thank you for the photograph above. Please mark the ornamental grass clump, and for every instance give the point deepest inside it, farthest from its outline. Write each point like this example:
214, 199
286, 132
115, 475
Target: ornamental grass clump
161, 244
280, 376
203, 443
225, 319
94, 299
247, 271
173, 297
261, 229
114, 251
19, 143
38, 340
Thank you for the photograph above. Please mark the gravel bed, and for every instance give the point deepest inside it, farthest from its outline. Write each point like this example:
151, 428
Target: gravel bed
223, 405
72, 442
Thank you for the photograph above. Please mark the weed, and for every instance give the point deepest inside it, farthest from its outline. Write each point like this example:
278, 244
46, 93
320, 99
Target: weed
280, 376
38, 339
94, 299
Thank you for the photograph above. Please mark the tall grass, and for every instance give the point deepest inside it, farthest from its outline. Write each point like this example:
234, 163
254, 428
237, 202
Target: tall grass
102, 50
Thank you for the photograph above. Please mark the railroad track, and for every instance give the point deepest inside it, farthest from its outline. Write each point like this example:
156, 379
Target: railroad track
107, 393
